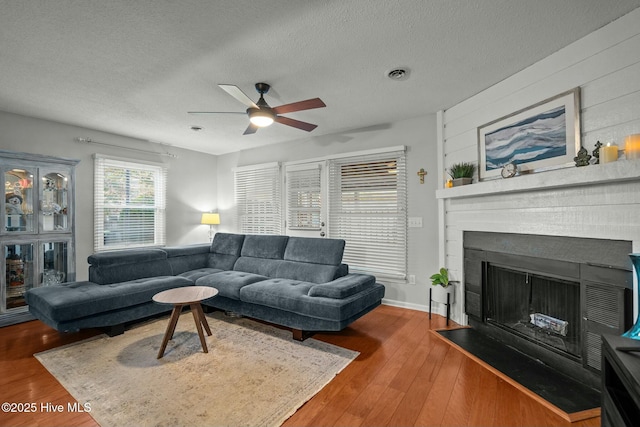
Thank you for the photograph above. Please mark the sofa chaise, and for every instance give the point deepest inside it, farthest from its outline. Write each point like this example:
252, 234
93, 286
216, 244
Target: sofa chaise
300, 283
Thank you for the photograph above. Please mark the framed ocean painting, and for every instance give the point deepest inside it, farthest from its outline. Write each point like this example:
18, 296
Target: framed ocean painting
540, 137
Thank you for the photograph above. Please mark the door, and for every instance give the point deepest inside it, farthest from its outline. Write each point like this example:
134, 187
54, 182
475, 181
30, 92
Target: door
305, 186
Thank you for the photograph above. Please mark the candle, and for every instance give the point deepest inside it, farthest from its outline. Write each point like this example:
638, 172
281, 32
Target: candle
608, 153
632, 146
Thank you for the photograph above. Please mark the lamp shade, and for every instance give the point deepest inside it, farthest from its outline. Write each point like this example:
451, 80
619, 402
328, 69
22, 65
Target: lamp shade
210, 218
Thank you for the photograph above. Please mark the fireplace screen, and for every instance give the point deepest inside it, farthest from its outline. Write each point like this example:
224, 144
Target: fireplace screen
540, 308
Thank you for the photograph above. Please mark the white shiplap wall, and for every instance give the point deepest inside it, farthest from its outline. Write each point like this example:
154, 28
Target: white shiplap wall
606, 66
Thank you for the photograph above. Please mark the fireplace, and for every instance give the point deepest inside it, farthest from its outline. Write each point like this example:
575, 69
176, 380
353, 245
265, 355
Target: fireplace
549, 297
542, 309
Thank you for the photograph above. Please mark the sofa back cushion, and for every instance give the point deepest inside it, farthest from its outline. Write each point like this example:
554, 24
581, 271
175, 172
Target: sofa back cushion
306, 272
187, 257
312, 260
264, 246
315, 250
262, 266
122, 266
225, 250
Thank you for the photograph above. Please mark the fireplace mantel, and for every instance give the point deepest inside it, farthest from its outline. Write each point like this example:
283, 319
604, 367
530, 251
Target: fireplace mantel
608, 173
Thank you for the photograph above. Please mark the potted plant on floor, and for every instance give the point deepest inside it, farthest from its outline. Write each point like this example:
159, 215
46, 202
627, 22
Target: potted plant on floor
441, 286
462, 173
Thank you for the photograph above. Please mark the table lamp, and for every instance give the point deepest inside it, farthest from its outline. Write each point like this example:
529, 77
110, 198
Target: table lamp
210, 219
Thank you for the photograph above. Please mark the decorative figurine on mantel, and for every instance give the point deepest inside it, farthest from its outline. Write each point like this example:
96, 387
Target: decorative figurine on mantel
596, 153
583, 157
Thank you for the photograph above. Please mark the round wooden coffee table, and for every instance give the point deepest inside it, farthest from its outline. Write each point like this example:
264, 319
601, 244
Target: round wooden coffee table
179, 297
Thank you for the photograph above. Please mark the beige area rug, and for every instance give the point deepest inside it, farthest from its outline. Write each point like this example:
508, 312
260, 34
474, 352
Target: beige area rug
253, 375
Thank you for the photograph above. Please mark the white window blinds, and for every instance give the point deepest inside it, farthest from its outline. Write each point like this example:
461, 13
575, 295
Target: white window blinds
258, 199
304, 198
368, 209
129, 204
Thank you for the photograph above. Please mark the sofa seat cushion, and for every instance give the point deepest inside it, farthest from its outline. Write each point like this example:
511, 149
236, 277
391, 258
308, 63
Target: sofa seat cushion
194, 275
292, 295
74, 300
229, 283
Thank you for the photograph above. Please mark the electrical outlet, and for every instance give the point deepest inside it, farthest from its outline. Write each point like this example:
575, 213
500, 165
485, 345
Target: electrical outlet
412, 279
415, 222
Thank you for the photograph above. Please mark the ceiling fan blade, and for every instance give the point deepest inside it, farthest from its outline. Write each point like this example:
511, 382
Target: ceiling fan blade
215, 112
238, 94
295, 123
251, 129
299, 106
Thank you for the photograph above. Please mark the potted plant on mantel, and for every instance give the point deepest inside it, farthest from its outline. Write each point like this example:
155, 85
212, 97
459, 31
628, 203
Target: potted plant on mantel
462, 173
441, 286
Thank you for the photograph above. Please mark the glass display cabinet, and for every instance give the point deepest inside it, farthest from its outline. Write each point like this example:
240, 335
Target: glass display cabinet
37, 242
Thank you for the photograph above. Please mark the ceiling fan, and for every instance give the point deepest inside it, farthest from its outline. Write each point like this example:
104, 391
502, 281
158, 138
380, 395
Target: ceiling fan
262, 115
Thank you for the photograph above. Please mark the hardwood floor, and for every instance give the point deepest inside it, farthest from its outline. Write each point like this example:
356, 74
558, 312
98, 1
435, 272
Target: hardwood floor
23, 380
404, 376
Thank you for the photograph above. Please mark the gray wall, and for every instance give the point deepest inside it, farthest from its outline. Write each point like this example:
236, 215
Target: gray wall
199, 182
191, 187
418, 134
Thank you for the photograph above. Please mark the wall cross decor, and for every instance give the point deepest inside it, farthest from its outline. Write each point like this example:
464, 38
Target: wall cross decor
421, 174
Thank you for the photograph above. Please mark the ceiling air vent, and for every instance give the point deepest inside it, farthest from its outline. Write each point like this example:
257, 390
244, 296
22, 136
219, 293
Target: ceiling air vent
398, 74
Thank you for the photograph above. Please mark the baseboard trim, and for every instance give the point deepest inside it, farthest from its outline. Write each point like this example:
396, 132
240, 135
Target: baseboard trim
436, 309
411, 306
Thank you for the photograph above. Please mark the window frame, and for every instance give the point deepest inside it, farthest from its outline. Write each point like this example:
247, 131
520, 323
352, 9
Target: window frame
304, 198
258, 198
378, 244
101, 163
399, 274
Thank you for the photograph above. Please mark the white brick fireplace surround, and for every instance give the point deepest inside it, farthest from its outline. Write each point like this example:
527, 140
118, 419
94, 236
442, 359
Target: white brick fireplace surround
596, 201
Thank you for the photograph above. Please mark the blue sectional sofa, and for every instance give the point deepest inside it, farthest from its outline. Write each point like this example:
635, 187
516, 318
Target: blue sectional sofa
297, 282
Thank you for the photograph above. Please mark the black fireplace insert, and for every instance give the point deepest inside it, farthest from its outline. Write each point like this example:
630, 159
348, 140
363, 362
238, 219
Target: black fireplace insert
539, 308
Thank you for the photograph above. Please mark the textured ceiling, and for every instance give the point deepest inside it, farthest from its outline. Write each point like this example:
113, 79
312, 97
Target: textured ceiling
135, 67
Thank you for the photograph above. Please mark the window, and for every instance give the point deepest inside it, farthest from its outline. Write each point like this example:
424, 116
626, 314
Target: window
304, 210
258, 199
366, 204
129, 204
368, 209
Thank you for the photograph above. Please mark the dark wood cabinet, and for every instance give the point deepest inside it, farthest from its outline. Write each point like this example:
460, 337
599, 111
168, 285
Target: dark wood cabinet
620, 381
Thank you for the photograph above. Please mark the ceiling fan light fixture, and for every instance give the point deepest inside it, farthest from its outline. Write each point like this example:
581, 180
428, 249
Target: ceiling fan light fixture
260, 117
